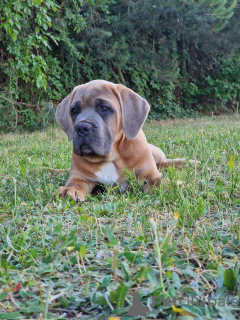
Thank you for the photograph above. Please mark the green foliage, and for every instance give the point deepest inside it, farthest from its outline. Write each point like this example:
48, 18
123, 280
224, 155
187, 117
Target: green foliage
230, 279
27, 24
30, 71
180, 55
222, 10
218, 89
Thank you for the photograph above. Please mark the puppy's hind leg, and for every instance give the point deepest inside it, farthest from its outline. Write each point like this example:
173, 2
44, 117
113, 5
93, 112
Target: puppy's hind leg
58, 171
163, 162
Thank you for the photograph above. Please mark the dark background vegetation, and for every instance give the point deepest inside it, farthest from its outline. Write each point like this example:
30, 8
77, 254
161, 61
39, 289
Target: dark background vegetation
182, 56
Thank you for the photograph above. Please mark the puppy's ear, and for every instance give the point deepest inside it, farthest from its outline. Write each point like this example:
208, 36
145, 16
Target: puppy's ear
62, 115
134, 111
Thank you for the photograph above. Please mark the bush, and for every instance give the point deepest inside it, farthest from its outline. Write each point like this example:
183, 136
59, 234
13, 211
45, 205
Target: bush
176, 55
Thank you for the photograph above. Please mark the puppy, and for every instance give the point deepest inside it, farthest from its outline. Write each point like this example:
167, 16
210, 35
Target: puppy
105, 121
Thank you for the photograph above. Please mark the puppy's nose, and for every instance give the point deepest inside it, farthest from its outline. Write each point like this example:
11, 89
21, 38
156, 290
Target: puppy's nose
83, 128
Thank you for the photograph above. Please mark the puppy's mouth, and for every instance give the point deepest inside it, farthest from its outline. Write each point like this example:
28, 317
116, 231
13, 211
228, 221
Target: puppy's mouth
85, 147
85, 150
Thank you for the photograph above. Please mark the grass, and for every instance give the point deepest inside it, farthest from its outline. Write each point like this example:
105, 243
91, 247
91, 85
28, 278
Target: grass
178, 248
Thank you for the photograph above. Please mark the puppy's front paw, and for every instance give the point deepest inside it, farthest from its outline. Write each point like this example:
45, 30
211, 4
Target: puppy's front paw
74, 194
147, 187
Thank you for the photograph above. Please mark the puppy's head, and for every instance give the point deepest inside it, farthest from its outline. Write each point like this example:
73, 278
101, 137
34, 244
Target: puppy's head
94, 114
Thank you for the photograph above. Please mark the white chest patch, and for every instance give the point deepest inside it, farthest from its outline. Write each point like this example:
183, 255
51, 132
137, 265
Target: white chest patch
107, 174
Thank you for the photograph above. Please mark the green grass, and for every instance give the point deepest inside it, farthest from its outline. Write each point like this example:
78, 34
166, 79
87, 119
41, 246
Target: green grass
59, 260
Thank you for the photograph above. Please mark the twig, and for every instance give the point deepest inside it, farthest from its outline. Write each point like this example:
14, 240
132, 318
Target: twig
22, 103
121, 75
16, 114
12, 300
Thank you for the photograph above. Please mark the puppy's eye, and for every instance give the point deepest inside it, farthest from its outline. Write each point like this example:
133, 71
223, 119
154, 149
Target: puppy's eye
105, 108
74, 110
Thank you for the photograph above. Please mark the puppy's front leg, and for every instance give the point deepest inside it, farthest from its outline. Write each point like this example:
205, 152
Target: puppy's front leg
77, 189
149, 173
153, 180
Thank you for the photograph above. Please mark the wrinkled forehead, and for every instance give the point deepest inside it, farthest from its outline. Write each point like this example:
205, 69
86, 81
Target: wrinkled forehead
89, 93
